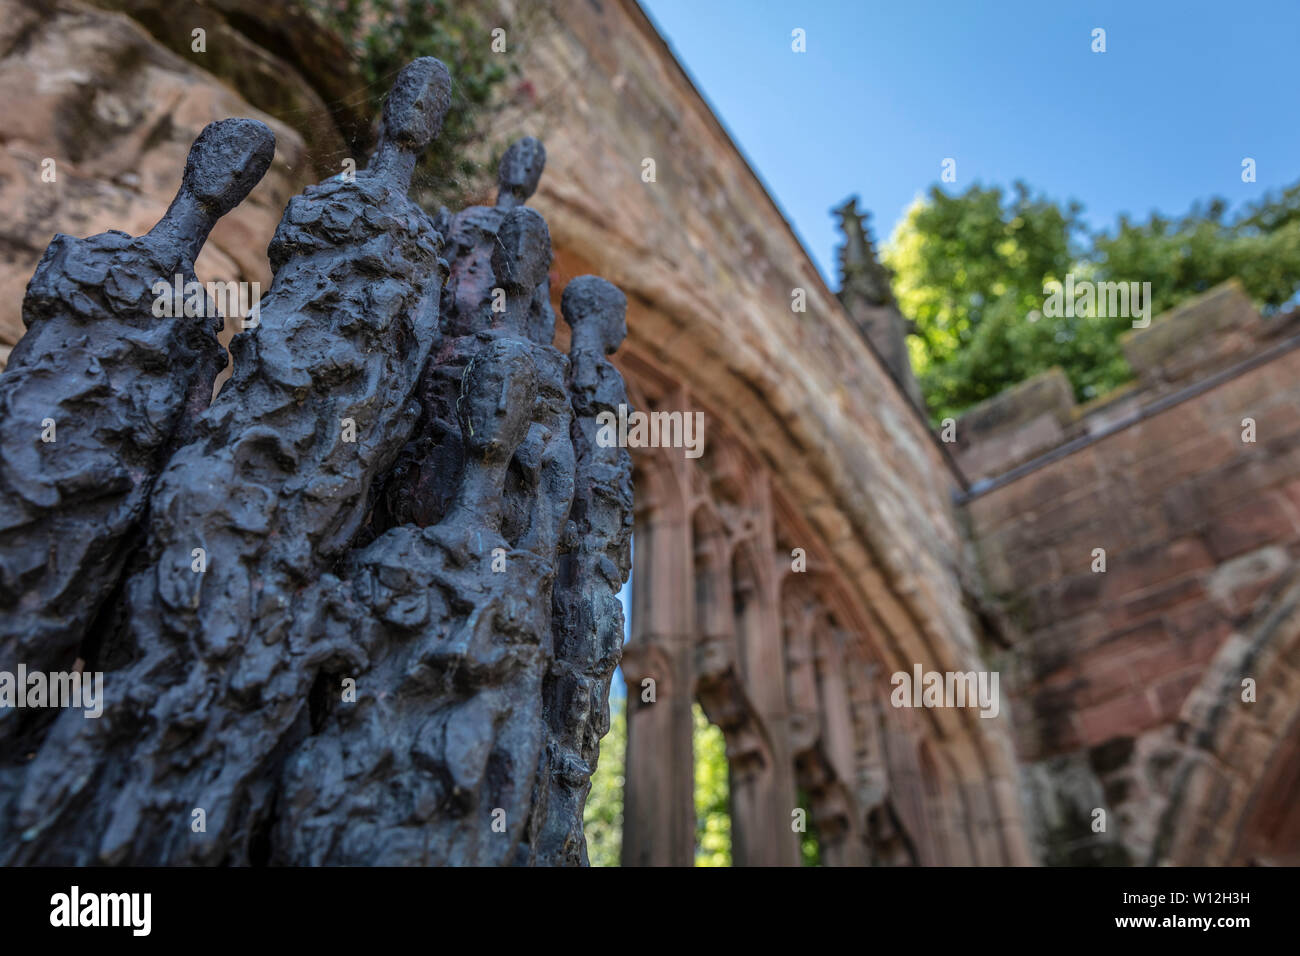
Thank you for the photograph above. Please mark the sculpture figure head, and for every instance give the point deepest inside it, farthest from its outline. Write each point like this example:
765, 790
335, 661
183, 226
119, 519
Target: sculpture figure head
228, 159
520, 171
596, 311
495, 406
413, 115
521, 257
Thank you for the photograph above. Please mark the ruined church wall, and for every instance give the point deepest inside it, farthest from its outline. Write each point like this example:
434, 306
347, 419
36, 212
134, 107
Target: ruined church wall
706, 258
710, 264
1200, 530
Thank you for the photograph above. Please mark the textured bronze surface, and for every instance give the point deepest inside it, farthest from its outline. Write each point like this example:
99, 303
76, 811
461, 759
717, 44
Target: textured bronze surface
363, 608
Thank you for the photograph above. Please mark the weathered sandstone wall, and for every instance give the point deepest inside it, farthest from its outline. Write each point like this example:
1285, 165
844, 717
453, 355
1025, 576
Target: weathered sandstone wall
1115, 672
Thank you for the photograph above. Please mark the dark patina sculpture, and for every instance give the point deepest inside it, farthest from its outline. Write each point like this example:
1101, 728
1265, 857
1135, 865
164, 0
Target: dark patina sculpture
588, 617
343, 640
95, 396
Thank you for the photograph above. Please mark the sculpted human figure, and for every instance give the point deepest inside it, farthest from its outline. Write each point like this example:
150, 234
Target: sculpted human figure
588, 618
97, 393
459, 621
247, 516
433, 762
477, 304
471, 242
540, 501
342, 639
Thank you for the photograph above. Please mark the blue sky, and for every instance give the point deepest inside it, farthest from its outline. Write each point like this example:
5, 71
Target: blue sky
1010, 89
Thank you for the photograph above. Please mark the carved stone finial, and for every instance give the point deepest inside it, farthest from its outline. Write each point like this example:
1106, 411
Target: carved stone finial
413, 115
860, 270
520, 172
866, 291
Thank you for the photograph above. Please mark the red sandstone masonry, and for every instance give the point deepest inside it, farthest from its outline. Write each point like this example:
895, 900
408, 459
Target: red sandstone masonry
1126, 716
1197, 526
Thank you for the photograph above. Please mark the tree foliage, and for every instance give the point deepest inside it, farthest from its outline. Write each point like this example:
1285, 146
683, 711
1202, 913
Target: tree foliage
385, 35
712, 794
603, 816
603, 819
810, 850
970, 268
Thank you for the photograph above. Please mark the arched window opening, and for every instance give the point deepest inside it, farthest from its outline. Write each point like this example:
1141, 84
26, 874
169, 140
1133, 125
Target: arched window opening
712, 793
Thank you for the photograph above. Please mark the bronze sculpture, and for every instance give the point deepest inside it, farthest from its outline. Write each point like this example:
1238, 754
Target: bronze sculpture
341, 639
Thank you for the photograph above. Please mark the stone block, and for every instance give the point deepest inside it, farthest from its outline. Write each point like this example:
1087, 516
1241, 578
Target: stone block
1124, 716
1195, 337
1254, 523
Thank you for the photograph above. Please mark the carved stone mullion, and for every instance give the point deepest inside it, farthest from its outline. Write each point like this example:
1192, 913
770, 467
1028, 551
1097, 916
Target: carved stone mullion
659, 807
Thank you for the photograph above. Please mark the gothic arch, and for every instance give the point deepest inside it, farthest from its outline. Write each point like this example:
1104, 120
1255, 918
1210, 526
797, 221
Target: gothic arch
1238, 759
787, 658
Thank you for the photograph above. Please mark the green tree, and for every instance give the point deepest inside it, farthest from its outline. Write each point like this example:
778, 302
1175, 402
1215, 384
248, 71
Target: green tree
385, 35
712, 794
602, 818
1184, 257
970, 270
